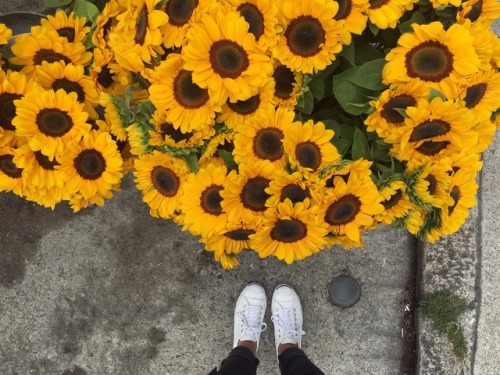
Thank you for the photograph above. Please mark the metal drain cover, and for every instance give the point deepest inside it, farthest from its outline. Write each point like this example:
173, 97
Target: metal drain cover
345, 291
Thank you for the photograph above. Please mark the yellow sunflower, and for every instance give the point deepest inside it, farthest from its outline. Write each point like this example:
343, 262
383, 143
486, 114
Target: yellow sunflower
202, 201
352, 15
245, 191
260, 138
107, 73
486, 133
46, 197
161, 179
233, 239
225, 59
50, 119
105, 22
69, 27
396, 203
221, 141
433, 130
30, 51
138, 138
10, 174
93, 166
290, 232
70, 78
308, 146
481, 94
468, 162
413, 220
350, 207
112, 116
485, 41
188, 106
386, 120
77, 201
293, 187
237, 113
5, 34
441, 58
312, 36
360, 167
287, 85
386, 13
481, 11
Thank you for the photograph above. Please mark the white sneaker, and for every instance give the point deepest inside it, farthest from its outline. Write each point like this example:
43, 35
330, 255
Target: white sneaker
249, 314
287, 316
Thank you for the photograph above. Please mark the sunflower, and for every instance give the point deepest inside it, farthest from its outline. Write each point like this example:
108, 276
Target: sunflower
245, 192
117, 123
387, 120
290, 232
93, 166
469, 162
70, 78
202, 201
30, 51
5, 34
413, 221
161, 179
226, 59
344, 241
443, 3
69, 27
386, 13
352, 15
396, 203
234, 238
441, 58
46, 197
188, 106
308, 146
105, 23
237, 113
50, 119
312, 36
360, 167
138, 137
293, 187
137, 37
221, 141
287, 85
434, 130
486, 133
260, 138
10, 174
481, 11
350, 206
484, 43
482, 94
13, 86
108, 75
261, 17
77, 201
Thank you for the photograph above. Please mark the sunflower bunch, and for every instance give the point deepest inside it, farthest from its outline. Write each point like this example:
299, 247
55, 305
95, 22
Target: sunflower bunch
279, 127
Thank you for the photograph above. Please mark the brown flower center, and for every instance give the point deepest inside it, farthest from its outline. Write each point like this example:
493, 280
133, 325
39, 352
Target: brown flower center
295, 193
90, 164
69, 86
308, 155
53, 122
389, 112
239, 234
50, 56
228, 58
254, 17
267, 144
245, 107
165, 181
329, 183
180, 11
288, 231
141, 27
177, 135
210, 200
253, 195
429, 129
304, 36
343, 211
8, 167
8, 110
45, 162
393, 200
475, 11
431, 148
189, 94
345, 8
104, 77
68, 33
474, 94
284, 80
432, 184
429, 61
455, 194
375, 4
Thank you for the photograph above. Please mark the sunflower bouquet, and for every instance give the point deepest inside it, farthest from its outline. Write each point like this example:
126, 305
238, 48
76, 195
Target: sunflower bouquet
282, 127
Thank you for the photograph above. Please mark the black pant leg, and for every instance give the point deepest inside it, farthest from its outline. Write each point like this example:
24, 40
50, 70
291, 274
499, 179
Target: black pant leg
240, 361
294, 361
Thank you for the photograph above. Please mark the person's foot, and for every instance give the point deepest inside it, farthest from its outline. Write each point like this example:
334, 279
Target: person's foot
287, 318
249, 316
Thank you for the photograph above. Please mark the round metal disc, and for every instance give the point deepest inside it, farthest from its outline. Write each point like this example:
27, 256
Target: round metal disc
19, 23
345, 291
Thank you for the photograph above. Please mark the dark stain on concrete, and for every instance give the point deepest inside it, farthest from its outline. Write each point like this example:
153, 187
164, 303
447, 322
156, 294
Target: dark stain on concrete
76, 370
156, 335
42, 366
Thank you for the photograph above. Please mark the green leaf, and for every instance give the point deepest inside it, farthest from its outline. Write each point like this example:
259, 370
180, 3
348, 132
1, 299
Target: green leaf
436, 94
367, 52
348, 54
192, 161
343, 145
401, 111
56, 3
228, 159
305, 103
317, 87
417, 17
360, 147
349, 95
86, 9
374, 29
369, 75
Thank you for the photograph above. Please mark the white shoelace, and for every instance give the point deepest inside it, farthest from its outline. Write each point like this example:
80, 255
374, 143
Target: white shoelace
251, 320
285, 319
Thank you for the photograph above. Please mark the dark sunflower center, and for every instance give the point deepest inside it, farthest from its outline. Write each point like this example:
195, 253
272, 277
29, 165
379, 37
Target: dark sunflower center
305, 35
455, 194
308, 155
295, 193
180, 11
189, 94
239, 234
432, 184
210, 200
168, 129
375, 4
254, 17
141, 27
165, 181
389, 112
45, 162
90, 164
343, 211
474, 94
245, 107
53, 122
227, 146
69, 86
291, 230
8, 167
50, 56
475, 11
106, 28
429, 129
393, 200
345, 8
329, 183
228, 58
429, 61
267, 144
105, 78
68, 33
431, 148
8, 110
253, 195
284, 80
